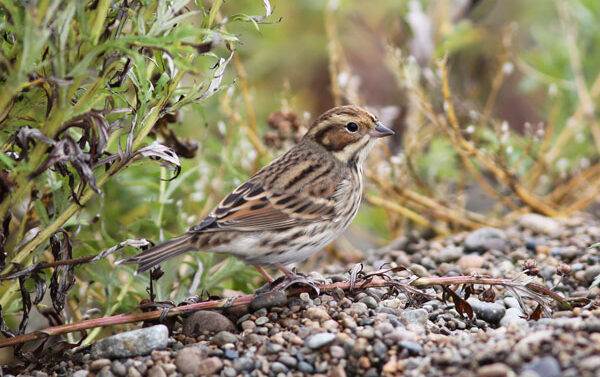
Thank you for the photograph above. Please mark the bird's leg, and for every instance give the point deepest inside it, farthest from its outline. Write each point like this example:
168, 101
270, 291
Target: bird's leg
288, 273
264, 273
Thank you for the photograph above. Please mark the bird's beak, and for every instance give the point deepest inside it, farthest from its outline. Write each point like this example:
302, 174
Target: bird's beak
381, 131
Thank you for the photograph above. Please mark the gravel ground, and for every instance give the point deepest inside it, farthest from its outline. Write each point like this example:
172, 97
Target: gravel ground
373, 331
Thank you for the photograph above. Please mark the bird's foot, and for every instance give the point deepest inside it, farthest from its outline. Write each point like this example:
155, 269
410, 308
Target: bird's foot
291, 277
287, 280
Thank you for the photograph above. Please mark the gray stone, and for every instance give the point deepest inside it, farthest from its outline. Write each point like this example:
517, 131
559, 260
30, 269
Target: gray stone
513, 315
261, 321
590, 273
81, 373
205, 320
305, 367
157, 371
289, 361
413, 348
105, 372
278, 367
358, 308
369, 301
132, 343
415, 316
337, 352
243, 364
531, 343
118, 368
539, 223
419, 270
590, 363
592, 325
319, 340
380, 350
274, 347
490, 312
486, 239
449, 254
268, 299
547, 366
223, 337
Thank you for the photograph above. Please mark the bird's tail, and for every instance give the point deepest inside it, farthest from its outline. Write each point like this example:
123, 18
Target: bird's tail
160, 253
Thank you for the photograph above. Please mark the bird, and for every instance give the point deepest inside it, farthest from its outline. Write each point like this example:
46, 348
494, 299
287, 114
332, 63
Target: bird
292, 207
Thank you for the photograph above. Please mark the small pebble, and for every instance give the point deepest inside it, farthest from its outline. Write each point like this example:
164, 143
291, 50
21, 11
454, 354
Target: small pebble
494, 370
304, 296
319, 340
96, 365
243, 364
490, 312
224, 337
268, 299
546, 366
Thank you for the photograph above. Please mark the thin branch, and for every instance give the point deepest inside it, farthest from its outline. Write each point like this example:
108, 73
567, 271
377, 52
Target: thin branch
461, 144
371, 282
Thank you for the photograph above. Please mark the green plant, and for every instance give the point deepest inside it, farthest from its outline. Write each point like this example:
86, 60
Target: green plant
87, 90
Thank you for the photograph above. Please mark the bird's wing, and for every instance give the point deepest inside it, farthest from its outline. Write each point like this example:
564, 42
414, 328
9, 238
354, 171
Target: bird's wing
251, 208
267, 204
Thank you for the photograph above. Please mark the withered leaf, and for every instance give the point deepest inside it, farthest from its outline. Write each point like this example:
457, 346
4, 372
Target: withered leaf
26, 304
63, 277
139, 243
158, 151
67, 150
354, 274
488, 295
4, 232
537, 313
3, 327
215, 82
26, 136
462, 306
469, 290
40, 286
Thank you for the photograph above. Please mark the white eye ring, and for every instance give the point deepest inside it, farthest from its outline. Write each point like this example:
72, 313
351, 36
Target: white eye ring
352, 127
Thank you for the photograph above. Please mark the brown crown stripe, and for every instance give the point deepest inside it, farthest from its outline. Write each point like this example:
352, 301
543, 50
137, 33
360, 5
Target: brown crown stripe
351, 111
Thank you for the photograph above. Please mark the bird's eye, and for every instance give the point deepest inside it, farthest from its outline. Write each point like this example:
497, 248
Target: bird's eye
351, 127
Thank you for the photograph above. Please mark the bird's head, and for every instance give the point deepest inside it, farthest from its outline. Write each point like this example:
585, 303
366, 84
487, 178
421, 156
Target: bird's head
348, 132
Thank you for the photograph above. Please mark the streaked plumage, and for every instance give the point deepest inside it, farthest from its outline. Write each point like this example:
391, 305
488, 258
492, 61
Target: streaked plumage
292, 207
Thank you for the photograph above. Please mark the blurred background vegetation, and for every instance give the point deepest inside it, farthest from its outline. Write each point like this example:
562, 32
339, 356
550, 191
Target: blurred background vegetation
495, 105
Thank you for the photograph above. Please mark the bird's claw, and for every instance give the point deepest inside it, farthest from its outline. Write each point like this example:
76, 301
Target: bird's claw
287, 281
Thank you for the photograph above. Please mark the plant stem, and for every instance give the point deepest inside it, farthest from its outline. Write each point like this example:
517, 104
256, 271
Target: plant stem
245, 300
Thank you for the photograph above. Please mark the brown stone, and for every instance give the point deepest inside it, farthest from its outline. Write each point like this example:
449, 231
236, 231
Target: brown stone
198, 322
